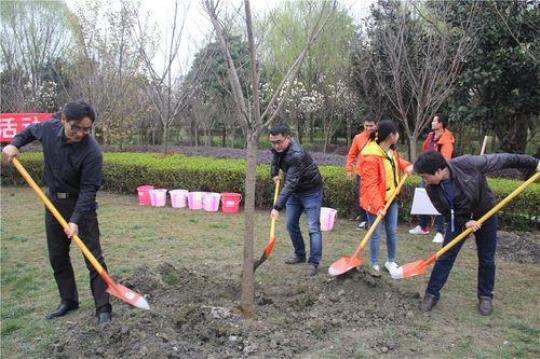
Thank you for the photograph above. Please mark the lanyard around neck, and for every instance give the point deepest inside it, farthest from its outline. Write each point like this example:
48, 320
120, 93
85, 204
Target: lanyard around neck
450, 198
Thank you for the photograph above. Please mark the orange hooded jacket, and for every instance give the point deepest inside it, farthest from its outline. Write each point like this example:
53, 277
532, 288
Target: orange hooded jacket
359, 142
445, 143
374, 185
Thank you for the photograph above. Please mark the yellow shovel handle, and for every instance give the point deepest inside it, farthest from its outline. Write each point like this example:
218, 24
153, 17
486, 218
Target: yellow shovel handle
380, 217
57, 215
273, 222
491, 212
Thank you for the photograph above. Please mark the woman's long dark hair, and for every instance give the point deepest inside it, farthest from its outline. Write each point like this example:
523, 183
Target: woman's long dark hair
384, 129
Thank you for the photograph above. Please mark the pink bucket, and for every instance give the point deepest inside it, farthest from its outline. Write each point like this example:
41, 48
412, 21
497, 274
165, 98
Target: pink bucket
179, 198
158, 197
195, 200
211, 201
143, 193
328, 215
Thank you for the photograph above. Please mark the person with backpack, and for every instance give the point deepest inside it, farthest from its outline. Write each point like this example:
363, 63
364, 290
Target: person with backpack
358, 143
442, 140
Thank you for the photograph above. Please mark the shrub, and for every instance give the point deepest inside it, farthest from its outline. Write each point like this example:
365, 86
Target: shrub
124, 172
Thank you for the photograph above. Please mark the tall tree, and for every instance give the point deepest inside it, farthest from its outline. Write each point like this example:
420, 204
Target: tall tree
287, 34
499, 88
35, 34
106, 67
414, 57
248, 108
165, 87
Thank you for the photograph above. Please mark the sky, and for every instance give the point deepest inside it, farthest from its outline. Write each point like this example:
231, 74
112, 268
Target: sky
198, 29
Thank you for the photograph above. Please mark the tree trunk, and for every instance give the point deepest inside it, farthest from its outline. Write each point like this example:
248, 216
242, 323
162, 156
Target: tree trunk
412, 149
311, 127
349, 133
164, 138
248, 277
224, 137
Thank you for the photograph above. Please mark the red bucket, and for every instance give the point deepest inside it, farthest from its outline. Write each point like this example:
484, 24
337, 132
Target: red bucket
230, 202
144, 194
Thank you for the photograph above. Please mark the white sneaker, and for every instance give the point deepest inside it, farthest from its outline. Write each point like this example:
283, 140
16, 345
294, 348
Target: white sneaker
439, 238
391, 267
362, 225
418, 230
375, 270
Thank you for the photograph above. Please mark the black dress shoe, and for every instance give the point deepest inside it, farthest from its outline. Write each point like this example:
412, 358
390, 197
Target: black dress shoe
103, 318
62, 310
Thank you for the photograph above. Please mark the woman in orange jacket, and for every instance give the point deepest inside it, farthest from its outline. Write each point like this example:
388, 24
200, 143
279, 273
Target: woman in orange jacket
381, 166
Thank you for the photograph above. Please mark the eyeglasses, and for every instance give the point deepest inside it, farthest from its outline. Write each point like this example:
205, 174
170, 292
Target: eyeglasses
278, 142
79, 129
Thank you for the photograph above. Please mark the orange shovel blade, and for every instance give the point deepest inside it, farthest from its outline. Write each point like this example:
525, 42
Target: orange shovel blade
127, 295
266, 253
344, 264
124, 293
410, 269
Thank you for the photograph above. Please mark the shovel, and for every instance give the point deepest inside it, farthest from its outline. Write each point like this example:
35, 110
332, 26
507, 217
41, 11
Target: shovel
272, 241
123, 293
345, 264
419, 267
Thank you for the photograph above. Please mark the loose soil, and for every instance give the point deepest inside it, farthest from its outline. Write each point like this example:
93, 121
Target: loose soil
520, 248
194, 314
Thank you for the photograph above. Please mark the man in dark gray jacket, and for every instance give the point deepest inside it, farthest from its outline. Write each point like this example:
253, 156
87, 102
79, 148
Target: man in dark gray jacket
458, 189
301, 192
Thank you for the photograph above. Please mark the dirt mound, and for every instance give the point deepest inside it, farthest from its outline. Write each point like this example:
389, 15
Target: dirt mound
195, 315
519, 247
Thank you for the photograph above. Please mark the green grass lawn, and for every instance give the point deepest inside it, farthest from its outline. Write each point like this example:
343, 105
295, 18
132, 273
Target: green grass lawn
134, 235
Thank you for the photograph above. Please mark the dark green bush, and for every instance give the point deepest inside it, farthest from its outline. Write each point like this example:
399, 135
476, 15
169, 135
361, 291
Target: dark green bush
123, 172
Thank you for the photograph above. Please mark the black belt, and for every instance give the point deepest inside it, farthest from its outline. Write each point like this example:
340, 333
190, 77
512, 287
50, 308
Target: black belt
64, 195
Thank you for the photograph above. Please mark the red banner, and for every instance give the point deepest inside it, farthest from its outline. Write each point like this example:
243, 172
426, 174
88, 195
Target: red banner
13, 123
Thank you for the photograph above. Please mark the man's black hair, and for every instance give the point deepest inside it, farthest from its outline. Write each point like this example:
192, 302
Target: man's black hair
442, 119
77, 110
429, 162
370, 117
280, 130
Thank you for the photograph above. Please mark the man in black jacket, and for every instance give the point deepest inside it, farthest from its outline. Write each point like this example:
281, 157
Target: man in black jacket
458, 189
73, 175
301, 192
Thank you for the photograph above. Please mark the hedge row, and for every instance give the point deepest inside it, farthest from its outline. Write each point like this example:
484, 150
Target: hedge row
123, 172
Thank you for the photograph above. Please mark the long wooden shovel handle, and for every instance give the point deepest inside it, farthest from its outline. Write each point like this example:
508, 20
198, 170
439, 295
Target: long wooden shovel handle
273, 222
486, 216
380, 217
57, 215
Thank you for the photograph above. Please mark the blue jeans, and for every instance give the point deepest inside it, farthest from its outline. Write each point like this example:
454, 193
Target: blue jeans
310, 204
361, 211
390, 224
486, 244
439, 220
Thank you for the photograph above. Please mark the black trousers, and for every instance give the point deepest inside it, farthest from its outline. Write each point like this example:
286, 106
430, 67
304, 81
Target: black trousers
59, 246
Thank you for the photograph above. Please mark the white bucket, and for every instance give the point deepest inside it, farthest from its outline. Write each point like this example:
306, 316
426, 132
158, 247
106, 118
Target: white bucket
195, 200
179, 198
158, 197
211, 201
